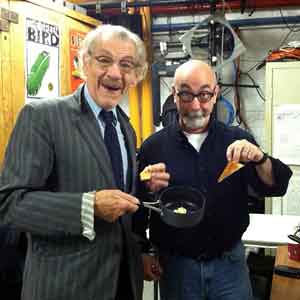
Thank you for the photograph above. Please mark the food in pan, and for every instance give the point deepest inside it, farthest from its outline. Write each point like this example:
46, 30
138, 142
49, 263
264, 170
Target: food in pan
180, 210
231, 168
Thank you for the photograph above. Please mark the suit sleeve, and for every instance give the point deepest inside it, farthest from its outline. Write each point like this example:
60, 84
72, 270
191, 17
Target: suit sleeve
27, 200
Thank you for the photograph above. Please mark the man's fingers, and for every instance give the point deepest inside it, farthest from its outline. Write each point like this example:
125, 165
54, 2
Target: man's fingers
150, 275
111, 204
126, 196
130, 207
160, 176
127, 205
159, 183
243, 150
160, 167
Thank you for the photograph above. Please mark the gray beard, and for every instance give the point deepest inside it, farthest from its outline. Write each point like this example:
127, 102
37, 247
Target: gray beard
194, 120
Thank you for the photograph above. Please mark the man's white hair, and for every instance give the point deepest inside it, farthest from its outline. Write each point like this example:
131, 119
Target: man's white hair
115, 31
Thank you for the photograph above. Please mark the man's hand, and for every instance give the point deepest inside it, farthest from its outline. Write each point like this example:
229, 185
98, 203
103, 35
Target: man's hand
111, 204
152, 268
243, 151
159, 177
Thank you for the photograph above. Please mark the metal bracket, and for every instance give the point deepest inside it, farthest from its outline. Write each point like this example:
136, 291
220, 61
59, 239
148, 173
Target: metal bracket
14, 17
98, 7
4, 14
123, 6
9, 15
4, 25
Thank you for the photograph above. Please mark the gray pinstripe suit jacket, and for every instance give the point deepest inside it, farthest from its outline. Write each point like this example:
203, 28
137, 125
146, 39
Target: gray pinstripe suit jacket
56, 153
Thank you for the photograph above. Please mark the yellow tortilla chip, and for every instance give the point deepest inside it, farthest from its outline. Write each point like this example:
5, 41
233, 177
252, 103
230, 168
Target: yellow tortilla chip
231, 168
145, 174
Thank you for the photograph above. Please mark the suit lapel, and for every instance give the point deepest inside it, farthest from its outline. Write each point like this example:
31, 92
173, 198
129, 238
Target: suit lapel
89, 129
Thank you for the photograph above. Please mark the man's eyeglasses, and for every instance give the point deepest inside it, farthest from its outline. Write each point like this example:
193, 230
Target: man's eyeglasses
125, 65
203, 96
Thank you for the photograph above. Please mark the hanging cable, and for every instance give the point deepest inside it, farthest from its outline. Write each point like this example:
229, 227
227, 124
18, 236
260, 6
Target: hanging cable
237, 101
258, 89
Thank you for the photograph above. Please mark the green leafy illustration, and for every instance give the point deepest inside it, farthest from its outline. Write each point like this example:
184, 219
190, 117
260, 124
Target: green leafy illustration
37, 73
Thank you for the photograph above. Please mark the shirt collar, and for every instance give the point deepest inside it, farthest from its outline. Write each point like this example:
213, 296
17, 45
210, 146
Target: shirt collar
96, 109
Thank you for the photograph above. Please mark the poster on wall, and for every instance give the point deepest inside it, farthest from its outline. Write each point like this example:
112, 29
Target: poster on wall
76, 38
286, 120
42, 60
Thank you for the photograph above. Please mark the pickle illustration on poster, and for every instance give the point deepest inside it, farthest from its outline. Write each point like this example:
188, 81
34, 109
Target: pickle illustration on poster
42, 60
37, 73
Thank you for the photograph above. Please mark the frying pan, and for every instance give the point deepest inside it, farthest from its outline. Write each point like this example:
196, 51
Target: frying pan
172, 198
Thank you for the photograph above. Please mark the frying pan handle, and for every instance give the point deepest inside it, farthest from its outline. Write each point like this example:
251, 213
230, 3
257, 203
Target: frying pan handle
150, 206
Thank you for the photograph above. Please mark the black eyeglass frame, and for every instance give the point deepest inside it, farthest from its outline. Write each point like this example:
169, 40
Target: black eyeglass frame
205, 98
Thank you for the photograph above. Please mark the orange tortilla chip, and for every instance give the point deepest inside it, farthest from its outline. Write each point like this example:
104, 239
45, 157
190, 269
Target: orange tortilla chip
231, 168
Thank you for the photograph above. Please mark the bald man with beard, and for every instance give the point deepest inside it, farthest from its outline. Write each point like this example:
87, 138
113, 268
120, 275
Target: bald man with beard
207, 261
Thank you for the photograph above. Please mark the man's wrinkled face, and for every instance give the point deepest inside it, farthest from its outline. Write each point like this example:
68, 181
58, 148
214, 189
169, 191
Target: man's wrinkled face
110, 70
195, 96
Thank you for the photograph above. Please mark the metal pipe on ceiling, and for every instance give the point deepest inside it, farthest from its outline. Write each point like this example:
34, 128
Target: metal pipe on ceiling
233, 23
185, 7
151, 3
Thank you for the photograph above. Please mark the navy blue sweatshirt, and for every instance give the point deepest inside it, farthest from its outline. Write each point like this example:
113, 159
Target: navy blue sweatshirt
226, 213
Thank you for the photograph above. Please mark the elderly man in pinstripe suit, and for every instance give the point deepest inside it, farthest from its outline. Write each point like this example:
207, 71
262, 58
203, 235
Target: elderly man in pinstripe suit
58, 183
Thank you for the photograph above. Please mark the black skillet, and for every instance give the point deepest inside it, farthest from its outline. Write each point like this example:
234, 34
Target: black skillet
172, 198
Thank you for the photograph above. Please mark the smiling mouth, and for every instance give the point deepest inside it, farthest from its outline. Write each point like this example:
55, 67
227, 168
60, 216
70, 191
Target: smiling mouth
112, 87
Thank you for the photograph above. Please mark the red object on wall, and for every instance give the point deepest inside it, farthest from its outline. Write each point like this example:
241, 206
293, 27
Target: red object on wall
294, 251
284, 53
76, 38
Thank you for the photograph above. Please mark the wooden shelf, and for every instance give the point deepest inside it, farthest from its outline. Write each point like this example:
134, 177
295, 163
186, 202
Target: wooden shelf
285, 287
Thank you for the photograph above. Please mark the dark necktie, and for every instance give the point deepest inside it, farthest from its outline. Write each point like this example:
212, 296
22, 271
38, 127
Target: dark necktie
113, 147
